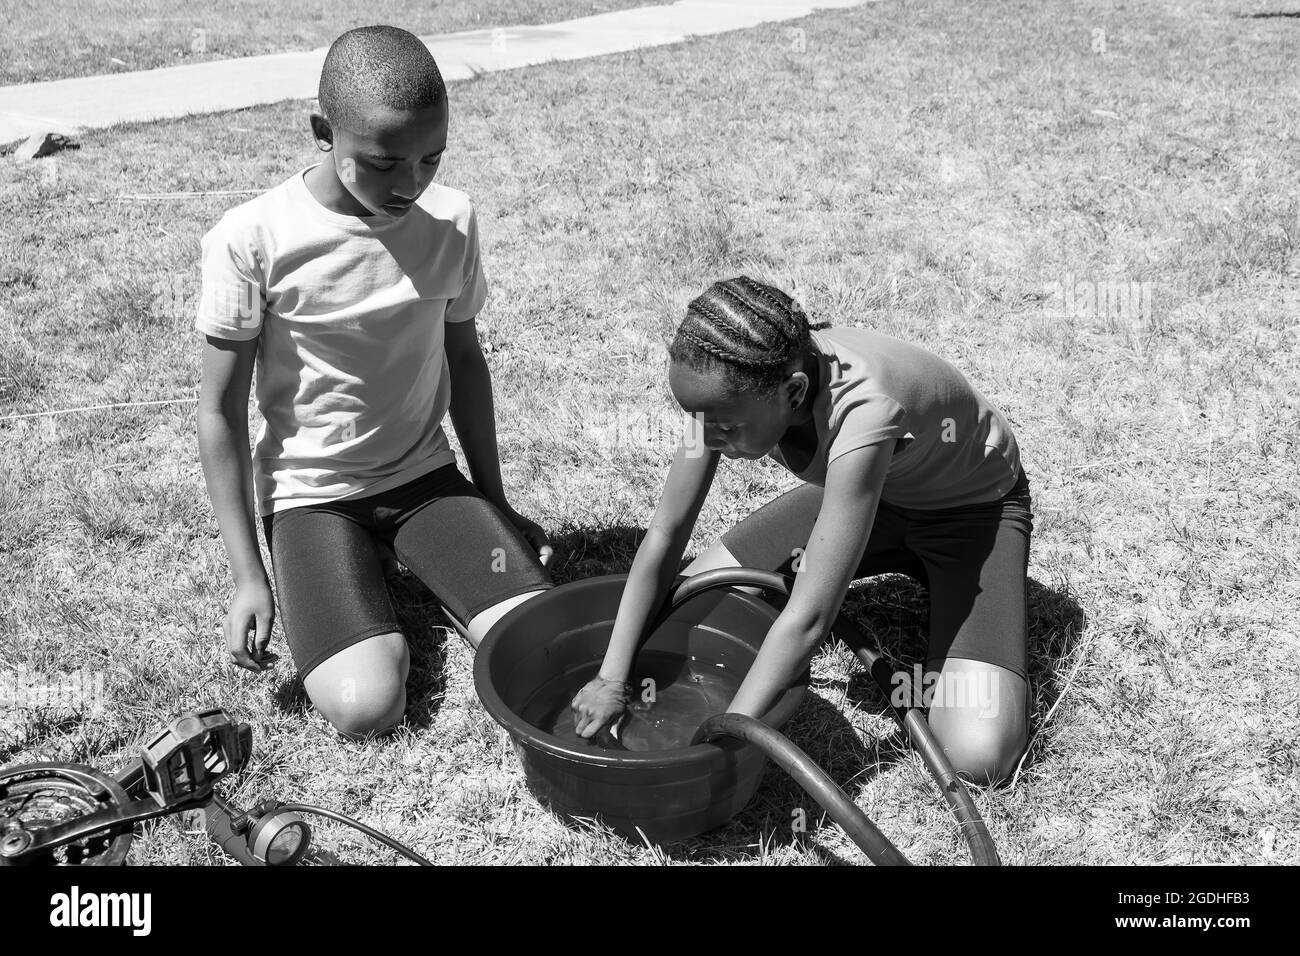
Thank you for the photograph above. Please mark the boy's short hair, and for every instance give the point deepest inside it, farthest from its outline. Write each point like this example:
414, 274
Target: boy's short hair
377, 65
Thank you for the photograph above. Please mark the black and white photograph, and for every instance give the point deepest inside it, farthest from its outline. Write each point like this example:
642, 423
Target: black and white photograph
587, 433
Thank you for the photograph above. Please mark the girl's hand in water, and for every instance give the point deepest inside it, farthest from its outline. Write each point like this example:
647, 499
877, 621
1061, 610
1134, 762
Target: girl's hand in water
599, 703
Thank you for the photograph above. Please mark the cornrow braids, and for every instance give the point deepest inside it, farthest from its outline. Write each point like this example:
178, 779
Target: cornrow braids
750, 329
723, 355
729, 336
779, 300
377, 65
764, 315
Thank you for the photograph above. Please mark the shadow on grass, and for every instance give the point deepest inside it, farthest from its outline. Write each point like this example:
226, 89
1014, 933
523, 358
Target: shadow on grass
427, 630
585, 553
895, 609
79, 738
35, 731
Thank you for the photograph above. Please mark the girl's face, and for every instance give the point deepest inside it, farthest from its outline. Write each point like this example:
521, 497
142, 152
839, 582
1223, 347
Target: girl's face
738, 424
391, 161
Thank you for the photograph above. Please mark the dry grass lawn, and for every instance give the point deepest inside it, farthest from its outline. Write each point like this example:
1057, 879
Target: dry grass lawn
935, 170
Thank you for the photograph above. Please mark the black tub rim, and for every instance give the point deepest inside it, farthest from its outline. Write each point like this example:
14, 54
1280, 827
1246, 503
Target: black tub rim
522, 732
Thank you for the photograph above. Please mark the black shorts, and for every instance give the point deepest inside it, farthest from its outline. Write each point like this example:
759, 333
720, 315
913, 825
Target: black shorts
973, 560
329, 573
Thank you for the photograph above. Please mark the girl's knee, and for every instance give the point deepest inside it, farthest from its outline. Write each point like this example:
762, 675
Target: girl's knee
982, 751
717, 556
978, 715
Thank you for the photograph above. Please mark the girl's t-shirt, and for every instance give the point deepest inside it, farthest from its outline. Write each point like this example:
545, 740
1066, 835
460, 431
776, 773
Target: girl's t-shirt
352, 379
951, 447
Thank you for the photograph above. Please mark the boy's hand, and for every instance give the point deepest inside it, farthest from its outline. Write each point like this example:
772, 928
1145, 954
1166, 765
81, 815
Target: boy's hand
533, 534
599, 703
252, 608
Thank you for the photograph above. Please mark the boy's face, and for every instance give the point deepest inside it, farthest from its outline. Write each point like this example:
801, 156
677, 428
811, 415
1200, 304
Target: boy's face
392, 159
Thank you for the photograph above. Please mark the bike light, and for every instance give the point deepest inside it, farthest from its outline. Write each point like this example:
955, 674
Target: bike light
279, 838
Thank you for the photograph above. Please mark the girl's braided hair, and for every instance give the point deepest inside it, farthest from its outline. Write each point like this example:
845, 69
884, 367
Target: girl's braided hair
748, 327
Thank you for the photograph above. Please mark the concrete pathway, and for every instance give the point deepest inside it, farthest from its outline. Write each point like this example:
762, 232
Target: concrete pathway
73, 105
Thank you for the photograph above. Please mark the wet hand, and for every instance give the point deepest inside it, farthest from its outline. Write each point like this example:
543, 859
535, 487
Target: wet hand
599, 703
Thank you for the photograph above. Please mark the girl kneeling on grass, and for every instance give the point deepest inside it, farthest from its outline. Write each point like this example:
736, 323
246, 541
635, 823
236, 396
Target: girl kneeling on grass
907, 468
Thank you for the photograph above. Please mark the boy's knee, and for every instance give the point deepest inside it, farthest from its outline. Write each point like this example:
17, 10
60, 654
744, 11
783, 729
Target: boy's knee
370, 715
362, 690
485, 620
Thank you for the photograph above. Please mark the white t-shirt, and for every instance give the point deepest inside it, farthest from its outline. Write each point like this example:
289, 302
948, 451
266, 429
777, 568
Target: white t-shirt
352, 376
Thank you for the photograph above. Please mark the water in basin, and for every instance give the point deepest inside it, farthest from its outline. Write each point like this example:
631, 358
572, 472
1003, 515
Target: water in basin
685, 694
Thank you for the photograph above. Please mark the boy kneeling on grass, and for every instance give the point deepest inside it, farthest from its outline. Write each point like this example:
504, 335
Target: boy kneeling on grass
354, 285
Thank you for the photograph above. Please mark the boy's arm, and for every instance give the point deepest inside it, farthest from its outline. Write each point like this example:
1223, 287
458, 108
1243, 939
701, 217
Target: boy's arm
223, 450
472, 411
227, 471
474, 418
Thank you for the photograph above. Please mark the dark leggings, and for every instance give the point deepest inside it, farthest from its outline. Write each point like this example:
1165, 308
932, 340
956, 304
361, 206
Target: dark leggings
329, 575
973, 560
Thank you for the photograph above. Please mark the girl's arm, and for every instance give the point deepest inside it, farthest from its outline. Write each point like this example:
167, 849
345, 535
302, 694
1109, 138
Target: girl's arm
653, 571
228, 473
839, 538
656, 561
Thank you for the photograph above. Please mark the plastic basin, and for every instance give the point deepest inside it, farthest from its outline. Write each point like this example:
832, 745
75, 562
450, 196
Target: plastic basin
538, 656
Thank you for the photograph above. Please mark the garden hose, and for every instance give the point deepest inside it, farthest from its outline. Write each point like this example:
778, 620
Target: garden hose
783, 752
811, 777
356, 825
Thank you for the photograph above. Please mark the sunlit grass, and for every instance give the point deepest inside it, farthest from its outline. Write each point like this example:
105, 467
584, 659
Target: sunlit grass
918, 168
